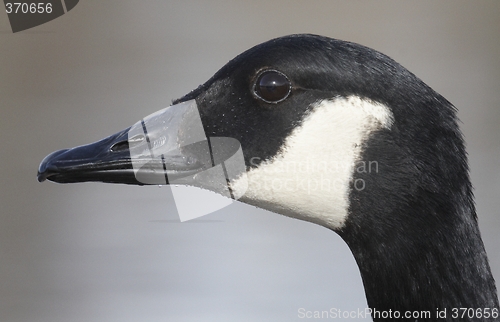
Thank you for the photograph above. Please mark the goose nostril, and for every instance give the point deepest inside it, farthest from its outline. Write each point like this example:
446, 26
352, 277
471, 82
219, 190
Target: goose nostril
124, 145
119, 146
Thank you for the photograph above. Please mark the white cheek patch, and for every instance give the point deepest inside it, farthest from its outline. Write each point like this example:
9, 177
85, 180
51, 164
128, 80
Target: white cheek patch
310, 177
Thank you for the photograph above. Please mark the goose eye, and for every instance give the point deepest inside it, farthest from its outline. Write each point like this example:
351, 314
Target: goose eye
272, 86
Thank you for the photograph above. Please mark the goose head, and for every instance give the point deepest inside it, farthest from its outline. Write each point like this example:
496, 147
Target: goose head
333, 133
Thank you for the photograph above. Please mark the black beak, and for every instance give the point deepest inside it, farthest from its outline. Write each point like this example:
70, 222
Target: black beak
107, 160
162, 148
166, 147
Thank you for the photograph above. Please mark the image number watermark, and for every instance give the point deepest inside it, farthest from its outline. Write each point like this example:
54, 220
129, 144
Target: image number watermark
28, 14
23, 7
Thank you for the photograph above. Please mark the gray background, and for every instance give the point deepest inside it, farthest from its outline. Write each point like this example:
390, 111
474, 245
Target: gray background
97, 252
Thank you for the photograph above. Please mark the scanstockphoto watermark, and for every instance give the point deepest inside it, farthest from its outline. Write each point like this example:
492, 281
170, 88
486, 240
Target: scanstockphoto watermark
309, 175
334, 313
366, 313
309, 185
310, 165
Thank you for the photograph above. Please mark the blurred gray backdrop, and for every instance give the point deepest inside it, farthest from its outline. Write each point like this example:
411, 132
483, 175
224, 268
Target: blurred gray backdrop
97, 252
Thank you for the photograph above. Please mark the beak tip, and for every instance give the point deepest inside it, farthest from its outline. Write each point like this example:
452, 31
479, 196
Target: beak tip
46, 164
41, 177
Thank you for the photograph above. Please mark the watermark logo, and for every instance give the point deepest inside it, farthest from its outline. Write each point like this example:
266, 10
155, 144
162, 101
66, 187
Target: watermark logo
170, 147
28, 14
312, 175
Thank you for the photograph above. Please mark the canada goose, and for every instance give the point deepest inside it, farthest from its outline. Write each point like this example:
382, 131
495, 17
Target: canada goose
336, 134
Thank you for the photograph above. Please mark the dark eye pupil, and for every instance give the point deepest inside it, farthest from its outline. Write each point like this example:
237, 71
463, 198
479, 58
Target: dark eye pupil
272, 86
